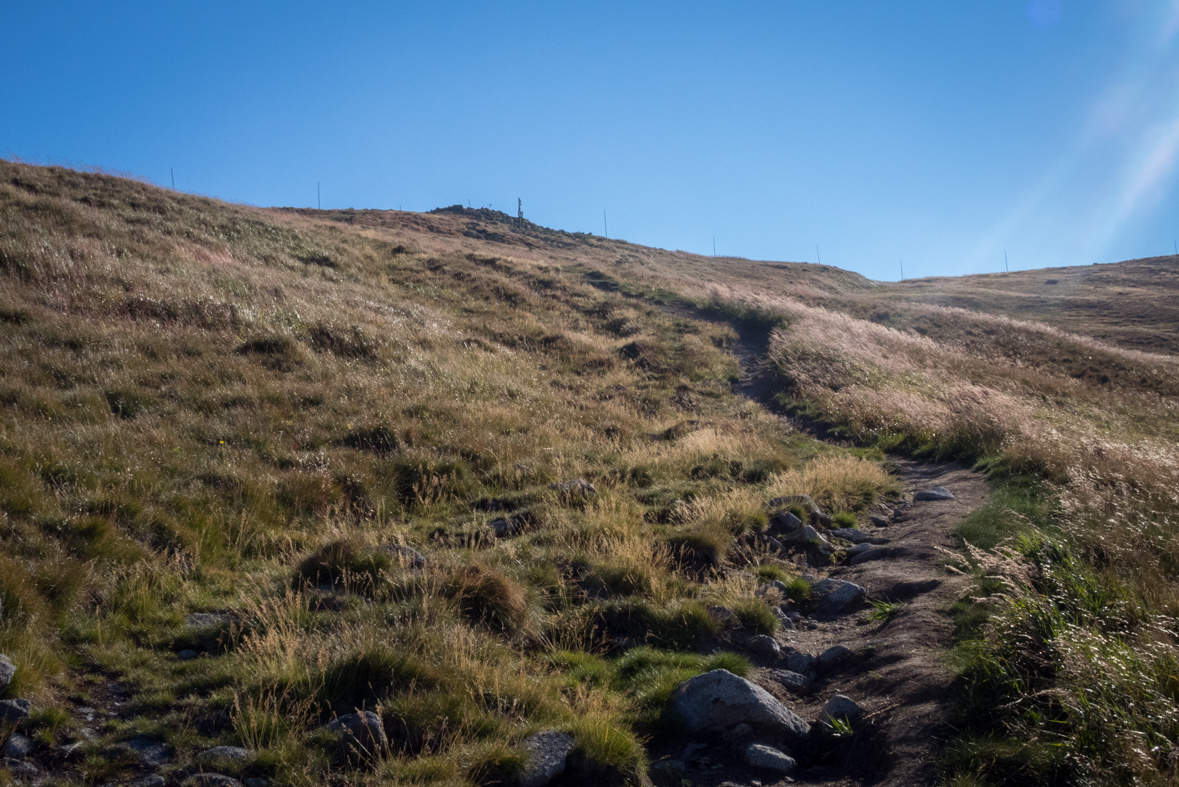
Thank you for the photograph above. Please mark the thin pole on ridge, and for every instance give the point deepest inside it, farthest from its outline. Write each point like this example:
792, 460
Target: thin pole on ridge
1006, 267
818, 256
902, 270
172, 172
318, 202
605, 226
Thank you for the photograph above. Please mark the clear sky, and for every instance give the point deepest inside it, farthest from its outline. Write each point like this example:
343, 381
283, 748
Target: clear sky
940, 133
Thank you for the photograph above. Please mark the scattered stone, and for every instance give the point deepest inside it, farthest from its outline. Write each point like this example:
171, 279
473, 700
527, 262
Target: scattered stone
878, 521
801, 662
407, 557
774, 544
879, 553
821, 519
720, 699
22, 770
785, 522
88, 734
774, 584
834, 655
833, 596
7, 671
211, 780
14, 710
72, 749
224, 754
188, 654
207, 620
148, 752
507, 527
784, 620
547, 752
856, 536
726, 617
575, 486
839, 707
759, 755
763, 645
934, 493
791, 679
361, 733
806, 535
154, 780
18, 746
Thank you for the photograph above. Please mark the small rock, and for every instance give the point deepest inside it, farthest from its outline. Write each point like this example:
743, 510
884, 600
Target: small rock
18, 746
834, 596
224, 754
791, 679
7, 672
14, 710
785, 522
879, 553
257, 781
72, 749
806, 535
575, 486
361, 733
878, 521
858, 550
839, 707
211, 780
772, 585
763, 645
783, 619
154, 780
406, 557
505, 527
834, 655
774, 544
188, 654
88, 734
547, 753
22, 770
726, 617
934, 493
801, 662
720, 699
148, 752
759, 755
792, 500
821, 519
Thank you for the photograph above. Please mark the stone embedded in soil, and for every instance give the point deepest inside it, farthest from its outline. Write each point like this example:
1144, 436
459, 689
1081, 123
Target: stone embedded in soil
14, 710
763, 645
934, 493
188, 654
257, 781
547, 753
801, 662
785, 522
506, 527
207, 620
784, 620
791, 679
21, 770
7, 671
224, 754
150, 753
720, 699
833, 655
211, 780
879, 521
839, 707
759, 755
858, 550
406, 557
879, 553
362, 732
833, 596
806, 535
18, 746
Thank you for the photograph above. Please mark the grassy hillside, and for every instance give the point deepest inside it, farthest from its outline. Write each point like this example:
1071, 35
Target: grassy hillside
311, 427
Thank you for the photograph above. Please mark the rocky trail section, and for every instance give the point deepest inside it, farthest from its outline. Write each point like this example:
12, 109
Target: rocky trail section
864, 669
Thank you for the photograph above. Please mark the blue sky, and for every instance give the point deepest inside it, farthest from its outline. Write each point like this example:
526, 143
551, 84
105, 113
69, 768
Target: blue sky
942, 134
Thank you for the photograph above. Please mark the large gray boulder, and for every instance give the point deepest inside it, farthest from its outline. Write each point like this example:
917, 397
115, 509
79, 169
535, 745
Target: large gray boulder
719, 700
833, 596
361, 733
547, 753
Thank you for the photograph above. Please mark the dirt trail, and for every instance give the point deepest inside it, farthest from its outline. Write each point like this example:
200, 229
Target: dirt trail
898, 671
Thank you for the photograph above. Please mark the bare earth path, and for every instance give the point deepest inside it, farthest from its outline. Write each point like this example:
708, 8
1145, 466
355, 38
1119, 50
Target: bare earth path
898, 670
